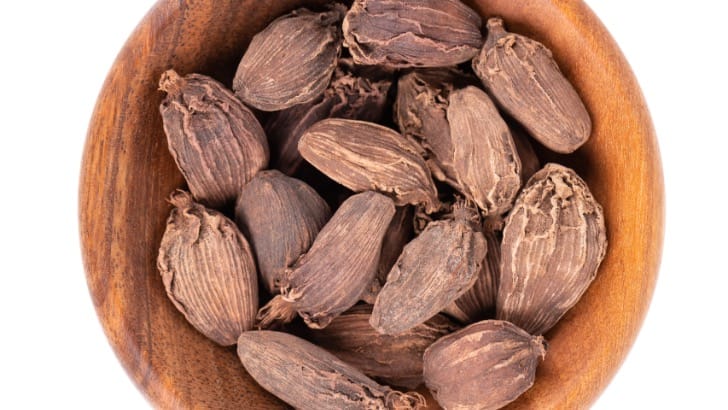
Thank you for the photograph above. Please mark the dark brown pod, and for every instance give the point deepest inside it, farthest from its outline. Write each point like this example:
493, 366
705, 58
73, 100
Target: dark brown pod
309, 378
208, 270
281, 217
553, 242
420, 111
341, 263
215, 140
478, 302
522, 76
350, 95
434, 269
366, 156
291, 61
395, 360
412, 33
484, 157
399, 233
530, 163
483, 366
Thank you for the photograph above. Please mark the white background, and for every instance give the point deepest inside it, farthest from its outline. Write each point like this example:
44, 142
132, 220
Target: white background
54, 56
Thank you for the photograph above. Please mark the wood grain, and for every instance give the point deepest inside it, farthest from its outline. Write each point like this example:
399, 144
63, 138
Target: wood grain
127, 173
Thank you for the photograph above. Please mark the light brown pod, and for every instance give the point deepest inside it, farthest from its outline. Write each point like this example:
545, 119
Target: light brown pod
281, 217
366, 156
350, 96
208, 270
483, 366
307, 377
553, 243
522, 76
341, 263
395, 360
484, 157
478, 302
435, 268
215, 140
291, 61
412, 33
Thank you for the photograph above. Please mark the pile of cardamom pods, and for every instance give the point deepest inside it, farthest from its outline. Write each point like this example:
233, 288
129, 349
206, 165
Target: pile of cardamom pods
371, 175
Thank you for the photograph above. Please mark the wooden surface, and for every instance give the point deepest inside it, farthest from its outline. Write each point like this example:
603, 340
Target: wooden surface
127, 173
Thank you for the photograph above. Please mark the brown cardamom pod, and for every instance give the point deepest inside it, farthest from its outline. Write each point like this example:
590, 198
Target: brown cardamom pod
412, 33
216, 141
395, 360
307, 377
522, 76
421, 114
483, 366
366, 156
341, 263
281, 216
435, 268
553, 242
291, 61
485, 158
530, 163
208, 270
349, 96
399, 233
478, 302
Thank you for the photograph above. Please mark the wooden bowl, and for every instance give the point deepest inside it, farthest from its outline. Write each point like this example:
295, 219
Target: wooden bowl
128, 173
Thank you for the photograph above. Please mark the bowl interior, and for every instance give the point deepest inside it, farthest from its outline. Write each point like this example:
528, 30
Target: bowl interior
128, 173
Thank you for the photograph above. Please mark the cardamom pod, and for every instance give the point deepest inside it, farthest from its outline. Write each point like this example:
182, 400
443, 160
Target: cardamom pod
307, 377
366, 156
349, 96
485, 159
341, 263
421, 114
281, 216
291, 61
483, 366
395, 360
208, 270
412, 33
530, 163
216, 141
553, 242
522, 76
478, 302
435, 268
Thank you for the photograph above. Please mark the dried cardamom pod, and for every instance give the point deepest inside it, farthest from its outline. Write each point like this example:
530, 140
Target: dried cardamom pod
412, 33
485, 158
435, 268
399, 233
395, 360
291, 61
216, 141
366, 156
307, 377
553, 243
421, 114
208, 270
478, 302
522, 76
342, 261
349, 96
483, 366
281, 216
530, 163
